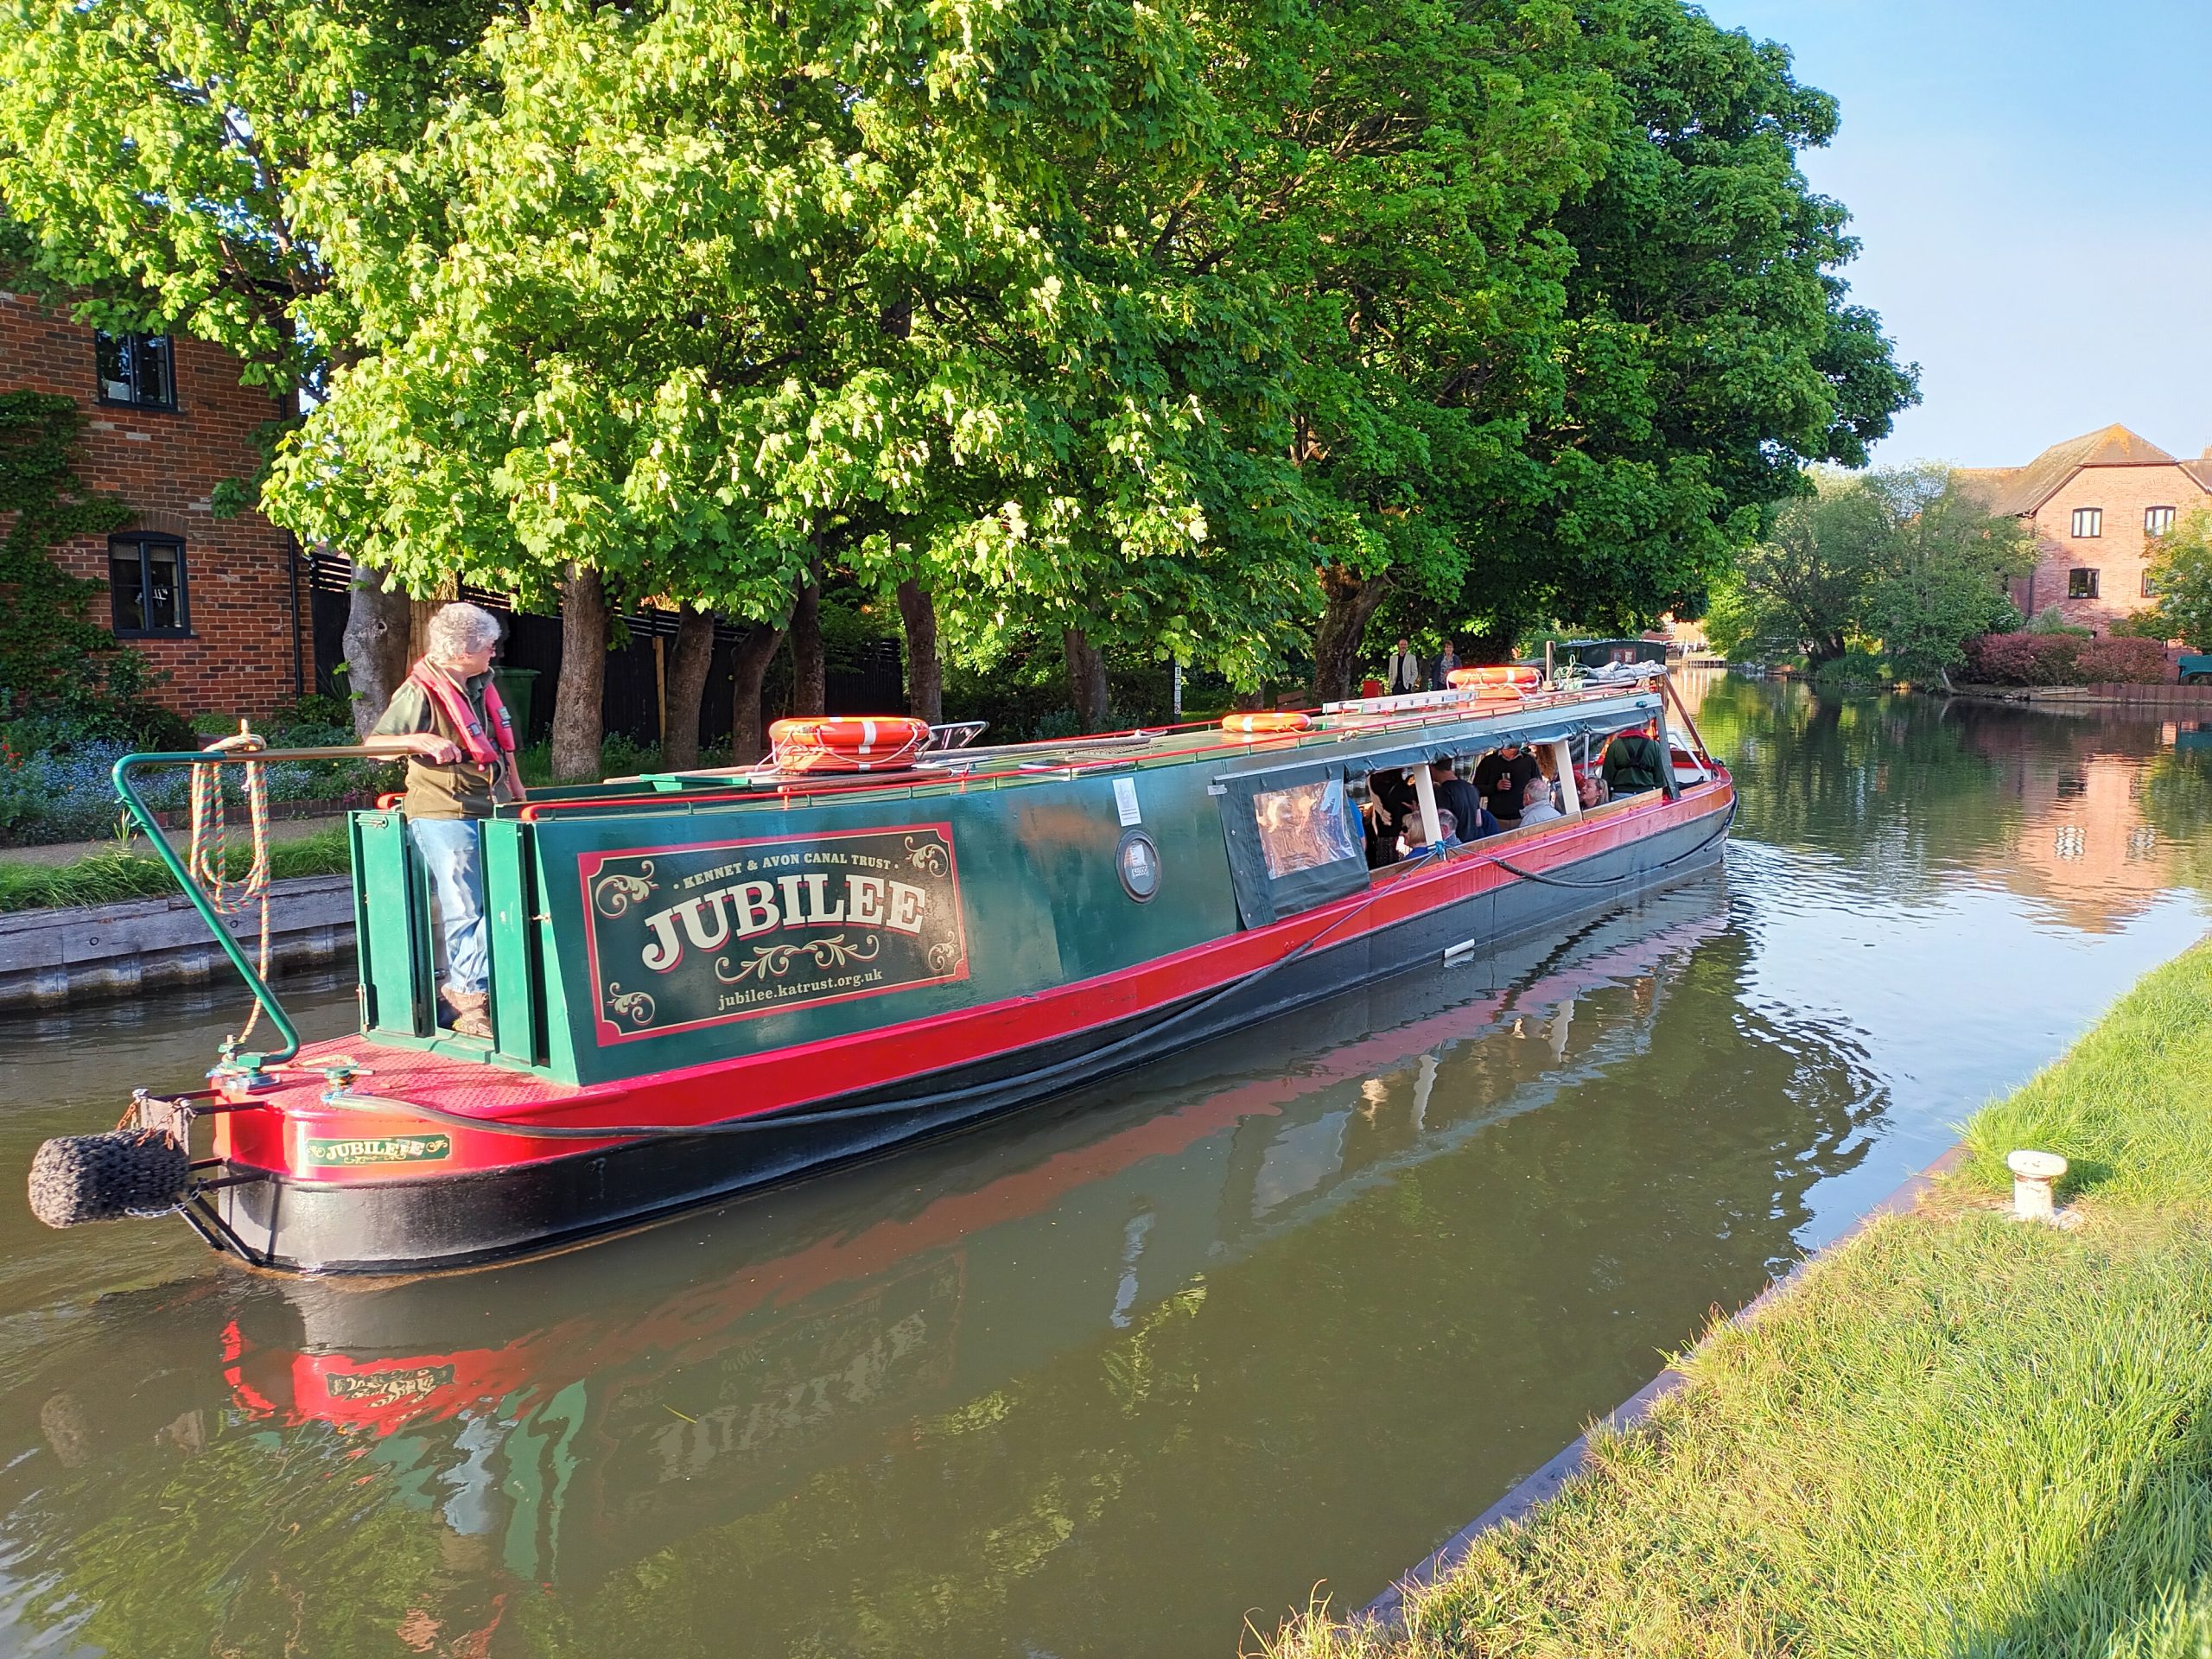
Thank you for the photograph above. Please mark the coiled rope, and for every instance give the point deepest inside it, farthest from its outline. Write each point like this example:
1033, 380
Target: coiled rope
206, 860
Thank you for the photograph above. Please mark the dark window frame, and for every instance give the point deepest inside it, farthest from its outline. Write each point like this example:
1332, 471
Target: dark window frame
141, 540
2095, 517
2149, 587
170, 405
2164, 517
2082, 581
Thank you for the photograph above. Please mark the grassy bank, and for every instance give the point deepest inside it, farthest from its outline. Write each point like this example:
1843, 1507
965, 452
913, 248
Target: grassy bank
110, 878
1959, 1434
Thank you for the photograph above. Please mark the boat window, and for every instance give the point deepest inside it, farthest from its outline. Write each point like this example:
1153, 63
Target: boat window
1305, 827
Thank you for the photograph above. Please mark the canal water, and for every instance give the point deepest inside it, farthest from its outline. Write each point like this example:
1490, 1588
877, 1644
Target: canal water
1107, 1378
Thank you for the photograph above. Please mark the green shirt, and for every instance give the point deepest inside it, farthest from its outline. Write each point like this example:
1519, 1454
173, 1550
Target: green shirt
1632, 765
457, 790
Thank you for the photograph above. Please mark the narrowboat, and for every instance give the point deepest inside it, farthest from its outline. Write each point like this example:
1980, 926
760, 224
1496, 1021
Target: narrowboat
704, 981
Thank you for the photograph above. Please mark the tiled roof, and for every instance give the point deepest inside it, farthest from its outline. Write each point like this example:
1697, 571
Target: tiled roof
2201, 470
2025, 488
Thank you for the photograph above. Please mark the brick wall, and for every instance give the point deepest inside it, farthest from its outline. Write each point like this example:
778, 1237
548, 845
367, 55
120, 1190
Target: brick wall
2119, 555
246, 632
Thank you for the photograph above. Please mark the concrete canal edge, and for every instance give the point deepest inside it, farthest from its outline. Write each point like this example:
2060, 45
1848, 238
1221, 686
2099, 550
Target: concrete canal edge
49, 956
1539, 1487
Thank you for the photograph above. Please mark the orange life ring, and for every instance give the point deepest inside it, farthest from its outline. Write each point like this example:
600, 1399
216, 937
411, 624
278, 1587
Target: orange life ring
1269, 721
1508, 674
845, 743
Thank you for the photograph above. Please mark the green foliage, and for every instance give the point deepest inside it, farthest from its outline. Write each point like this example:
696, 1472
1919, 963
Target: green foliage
1858, 669
1940, 579
1158, 324
181, 162
2051, 620
2149, 624
45, 635
1662, 435
1905, 558
2181, 569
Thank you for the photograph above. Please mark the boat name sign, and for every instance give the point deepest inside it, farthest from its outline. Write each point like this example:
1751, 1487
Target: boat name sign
684, 937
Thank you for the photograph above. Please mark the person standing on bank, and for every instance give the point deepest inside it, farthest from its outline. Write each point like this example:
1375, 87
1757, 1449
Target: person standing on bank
1445, 662
448, 721
1404, 670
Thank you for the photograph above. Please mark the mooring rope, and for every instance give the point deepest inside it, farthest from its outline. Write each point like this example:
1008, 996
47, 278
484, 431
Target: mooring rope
206, 861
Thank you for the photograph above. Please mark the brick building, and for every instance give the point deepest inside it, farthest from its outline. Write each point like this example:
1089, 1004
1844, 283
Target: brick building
2096, 502
216, 606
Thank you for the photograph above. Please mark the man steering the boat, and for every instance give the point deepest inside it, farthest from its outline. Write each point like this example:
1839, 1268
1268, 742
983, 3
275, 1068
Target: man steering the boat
448, 721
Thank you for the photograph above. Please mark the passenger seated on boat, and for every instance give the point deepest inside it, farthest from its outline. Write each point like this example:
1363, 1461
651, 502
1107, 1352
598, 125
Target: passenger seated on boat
1589, 790
1447, 831
1455, 794
1537, 806
447, 720
1500, 778
1634, 764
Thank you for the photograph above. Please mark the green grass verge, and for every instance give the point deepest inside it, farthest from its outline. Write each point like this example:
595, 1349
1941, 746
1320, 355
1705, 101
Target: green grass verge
110, 878
1958, 1434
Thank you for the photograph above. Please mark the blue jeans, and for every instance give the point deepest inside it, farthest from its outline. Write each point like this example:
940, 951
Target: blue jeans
447, 850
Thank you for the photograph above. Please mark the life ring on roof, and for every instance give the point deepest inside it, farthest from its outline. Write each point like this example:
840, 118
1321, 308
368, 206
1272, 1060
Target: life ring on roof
842, 743
1512, 675
1268, 721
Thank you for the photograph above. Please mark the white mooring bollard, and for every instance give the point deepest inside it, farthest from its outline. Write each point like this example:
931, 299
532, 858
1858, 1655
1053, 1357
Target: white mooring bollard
2034, 1175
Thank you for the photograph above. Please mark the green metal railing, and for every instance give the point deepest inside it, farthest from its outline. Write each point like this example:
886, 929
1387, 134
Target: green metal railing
251, 1063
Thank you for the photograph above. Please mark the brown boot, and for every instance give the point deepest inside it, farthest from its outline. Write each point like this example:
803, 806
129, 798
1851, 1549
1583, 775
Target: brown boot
471, 1013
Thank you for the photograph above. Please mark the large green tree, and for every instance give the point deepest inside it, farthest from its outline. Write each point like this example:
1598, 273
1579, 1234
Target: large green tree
2180, 568
1393, 181
1907, 559
1709, 349
180, 163
698, 298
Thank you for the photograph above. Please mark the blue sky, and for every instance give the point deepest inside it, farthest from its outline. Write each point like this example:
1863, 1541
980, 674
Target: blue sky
2033, 181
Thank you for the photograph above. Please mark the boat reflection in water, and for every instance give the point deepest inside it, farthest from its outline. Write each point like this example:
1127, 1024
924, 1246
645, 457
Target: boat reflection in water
759, 1400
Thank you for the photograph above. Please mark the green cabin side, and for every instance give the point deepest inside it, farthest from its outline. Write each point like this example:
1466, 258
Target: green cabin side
676, 922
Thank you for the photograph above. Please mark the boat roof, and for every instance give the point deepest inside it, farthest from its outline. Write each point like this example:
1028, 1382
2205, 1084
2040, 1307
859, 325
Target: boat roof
1377, 733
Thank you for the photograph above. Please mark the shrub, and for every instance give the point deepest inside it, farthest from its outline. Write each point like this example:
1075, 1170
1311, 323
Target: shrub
2026, 659
1858, 666
2046, 658
2051, 620
2125, 662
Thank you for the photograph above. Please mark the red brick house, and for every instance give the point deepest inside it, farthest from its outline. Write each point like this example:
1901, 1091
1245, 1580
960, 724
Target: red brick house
217, 606
2096, 504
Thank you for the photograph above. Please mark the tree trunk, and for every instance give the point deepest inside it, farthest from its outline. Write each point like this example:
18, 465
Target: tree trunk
687, 685
809, 688
377, 624
1348, 601
577, 727
755, 648
925, 673
1086, 679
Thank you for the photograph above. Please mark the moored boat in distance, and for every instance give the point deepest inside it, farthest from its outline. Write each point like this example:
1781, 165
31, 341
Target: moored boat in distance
707, 980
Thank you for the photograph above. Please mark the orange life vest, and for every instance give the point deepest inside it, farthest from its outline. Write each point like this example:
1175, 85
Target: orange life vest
479, 748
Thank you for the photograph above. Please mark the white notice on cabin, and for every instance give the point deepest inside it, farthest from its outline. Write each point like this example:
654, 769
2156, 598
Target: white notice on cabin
1125, 802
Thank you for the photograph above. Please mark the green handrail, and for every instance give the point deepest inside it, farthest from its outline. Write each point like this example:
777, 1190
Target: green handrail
251, 1063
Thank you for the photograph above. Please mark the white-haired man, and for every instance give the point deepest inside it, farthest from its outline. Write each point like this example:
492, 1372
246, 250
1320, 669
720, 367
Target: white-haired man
448, 721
